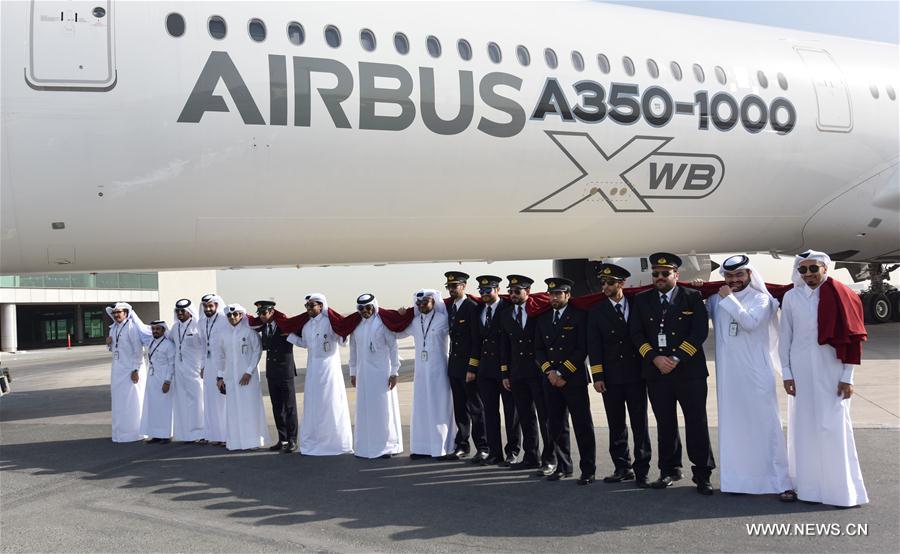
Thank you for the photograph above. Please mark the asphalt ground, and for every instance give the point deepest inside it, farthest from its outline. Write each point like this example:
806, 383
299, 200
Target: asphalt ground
64, 486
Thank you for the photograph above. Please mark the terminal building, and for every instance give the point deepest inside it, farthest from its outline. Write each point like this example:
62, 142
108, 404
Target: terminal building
46, 311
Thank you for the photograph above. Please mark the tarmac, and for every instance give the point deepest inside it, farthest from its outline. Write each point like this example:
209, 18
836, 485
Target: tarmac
65, 487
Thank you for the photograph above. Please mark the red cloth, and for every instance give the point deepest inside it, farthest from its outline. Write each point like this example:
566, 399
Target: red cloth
537, 304
841, 321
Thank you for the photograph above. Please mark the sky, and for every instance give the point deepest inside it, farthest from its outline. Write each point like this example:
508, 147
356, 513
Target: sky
394, 284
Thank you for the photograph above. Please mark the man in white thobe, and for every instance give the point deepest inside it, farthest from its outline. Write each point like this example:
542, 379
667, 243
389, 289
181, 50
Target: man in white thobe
752, 449
432, 429
374, 365
213, 326
238, 380
128, 375
188, 384
325, 429
821, 449
156, 419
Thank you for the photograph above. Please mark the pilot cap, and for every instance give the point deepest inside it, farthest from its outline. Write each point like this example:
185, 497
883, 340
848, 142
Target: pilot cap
561, 284
613, 271
665, 259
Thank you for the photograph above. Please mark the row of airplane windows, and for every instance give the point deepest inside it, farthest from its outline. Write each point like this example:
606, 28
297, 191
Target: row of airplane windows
296, 34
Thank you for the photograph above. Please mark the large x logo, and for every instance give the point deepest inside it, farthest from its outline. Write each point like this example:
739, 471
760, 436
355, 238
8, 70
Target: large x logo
601, 173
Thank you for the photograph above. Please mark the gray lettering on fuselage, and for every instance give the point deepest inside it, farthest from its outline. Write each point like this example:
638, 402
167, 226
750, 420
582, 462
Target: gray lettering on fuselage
332, 97
501, 103
278, 100
202, 100
700, 177
668, 173
466, 103
370, 95
552, 101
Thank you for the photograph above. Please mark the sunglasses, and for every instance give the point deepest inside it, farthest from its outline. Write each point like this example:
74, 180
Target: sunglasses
804, 268
609, 282
234, 314
422, 301
361, 307
180, 311
485, 290
311, 304
118, 311
661, 273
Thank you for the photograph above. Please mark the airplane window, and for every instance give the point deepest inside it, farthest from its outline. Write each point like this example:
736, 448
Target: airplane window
629, 66
367, 39
295, 33
890, 92
676, 70
577, 60
550, 58
465, 49
494, 52
782, 81
332, 36
652, 68
523, 55
175, 24
720, 75
401, 43
434, 46
217, 27
698, 73
603, 62
763, 80
874, 90
257, 30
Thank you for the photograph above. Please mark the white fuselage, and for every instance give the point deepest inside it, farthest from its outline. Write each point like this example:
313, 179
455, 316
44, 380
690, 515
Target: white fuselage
162, 152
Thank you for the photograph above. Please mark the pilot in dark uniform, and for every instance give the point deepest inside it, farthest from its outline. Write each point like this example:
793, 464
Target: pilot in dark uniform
560, 350
468, 412
484, 367
616, 370
522, 375
280, 373
668, 326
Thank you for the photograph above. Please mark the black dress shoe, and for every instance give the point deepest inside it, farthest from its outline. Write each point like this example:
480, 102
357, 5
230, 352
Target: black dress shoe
492, 461
276, 447
664, 481
511, 459
167, 441
524, 465
642, 482
289, 447
546, 470
151, 441
704, 487
418, 456
460, 453
585, 479
479, 457
558, 475
619, 475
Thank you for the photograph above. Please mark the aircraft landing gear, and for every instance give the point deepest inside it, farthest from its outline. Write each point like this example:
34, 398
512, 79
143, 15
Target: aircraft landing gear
881, 302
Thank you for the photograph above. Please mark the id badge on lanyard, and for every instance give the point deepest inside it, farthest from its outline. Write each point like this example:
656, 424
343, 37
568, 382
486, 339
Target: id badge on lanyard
732, 329
424, 355
661, 340
116, 355
371, 347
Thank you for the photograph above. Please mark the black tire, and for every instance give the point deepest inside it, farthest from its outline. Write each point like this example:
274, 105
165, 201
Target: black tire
877, 308
894, 297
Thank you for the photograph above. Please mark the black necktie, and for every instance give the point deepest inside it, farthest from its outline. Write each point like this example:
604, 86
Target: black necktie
620, 312
555, 317
487, 317
519, 315
452, 312
665, 302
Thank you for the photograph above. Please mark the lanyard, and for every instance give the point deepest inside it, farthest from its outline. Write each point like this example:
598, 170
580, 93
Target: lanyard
182, 335
154, 349
210, 326
119, 333
425, 329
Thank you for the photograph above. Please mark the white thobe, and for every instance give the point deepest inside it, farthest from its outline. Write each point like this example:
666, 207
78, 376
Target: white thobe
752, 449
245, 418
821, 449
156, 419
187, 387
373, 360
128, 340
325, 429
213, 329
432, 428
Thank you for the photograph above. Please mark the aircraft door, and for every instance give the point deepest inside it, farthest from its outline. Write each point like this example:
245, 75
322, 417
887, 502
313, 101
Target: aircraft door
832, 96
71, 45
